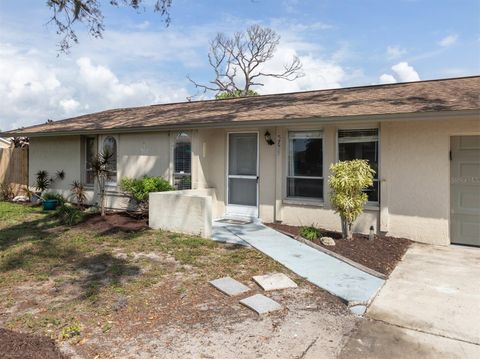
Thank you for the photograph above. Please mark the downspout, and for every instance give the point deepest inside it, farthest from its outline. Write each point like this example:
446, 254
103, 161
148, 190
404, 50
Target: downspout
276, 179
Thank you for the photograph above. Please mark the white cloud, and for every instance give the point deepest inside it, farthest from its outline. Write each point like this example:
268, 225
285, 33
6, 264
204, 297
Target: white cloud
405, 72
32, 90
387, 79
69, 105
318, 73
394, 52
448, 40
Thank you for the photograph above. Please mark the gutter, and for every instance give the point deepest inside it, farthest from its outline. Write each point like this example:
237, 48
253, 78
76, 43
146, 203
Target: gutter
408, 116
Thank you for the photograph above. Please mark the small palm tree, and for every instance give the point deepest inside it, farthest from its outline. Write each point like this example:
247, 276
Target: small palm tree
78, 192
101, 168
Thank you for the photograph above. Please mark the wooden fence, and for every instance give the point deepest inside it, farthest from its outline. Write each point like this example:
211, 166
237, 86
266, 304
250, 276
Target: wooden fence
14, 168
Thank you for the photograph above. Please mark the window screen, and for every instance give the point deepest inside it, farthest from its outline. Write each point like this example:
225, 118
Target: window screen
305, 165
361, 144
183, 162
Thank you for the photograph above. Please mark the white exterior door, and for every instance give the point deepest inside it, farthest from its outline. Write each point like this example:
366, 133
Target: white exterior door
242, 175
465, 190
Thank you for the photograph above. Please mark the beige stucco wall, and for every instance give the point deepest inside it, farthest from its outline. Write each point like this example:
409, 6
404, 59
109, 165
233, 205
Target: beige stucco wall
415, 172
138, 155
141, 154
319, 213
53, 154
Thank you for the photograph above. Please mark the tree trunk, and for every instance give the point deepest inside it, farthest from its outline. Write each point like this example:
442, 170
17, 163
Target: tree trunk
349, 231
346, 229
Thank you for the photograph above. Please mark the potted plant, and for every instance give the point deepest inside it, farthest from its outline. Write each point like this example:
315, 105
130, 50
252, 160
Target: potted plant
49, 201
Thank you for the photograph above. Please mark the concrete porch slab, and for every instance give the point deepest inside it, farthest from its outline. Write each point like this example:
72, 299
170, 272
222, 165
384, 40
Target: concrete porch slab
378, 340
229, 286
261, 304
274, 281
434, 289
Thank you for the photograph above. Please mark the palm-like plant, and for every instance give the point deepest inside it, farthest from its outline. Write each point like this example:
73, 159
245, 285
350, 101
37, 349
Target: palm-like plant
77, 190
43, 181
101, 168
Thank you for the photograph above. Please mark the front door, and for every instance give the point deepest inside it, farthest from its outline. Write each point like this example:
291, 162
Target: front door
465, 190
242, 175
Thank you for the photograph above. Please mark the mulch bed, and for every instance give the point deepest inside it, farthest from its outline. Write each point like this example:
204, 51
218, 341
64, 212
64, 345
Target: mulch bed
382, 254
15, 345
114, 223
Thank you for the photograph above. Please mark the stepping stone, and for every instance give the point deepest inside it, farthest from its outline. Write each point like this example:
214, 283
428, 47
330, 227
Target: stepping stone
229, 286
261, 304
274, 281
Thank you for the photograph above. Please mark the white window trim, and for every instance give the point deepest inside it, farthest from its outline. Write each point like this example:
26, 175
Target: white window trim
302, 200
84, 164
370, 205
184, 174
110, 185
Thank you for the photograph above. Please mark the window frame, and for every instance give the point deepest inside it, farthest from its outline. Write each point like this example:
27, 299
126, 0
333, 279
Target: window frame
85, 158
101, 146
287, 176
370, 204
176, 174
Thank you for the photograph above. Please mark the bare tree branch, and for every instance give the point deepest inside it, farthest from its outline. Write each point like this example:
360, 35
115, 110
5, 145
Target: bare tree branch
67, 13
236, 62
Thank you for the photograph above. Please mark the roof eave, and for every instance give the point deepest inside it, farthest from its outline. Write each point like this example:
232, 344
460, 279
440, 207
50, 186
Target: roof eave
428, 115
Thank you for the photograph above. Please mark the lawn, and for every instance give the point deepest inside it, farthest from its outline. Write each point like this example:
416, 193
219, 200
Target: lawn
85, 287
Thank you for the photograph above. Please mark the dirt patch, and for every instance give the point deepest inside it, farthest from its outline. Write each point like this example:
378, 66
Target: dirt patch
136, 292
382, 254
113, 223
201, 322
15, 345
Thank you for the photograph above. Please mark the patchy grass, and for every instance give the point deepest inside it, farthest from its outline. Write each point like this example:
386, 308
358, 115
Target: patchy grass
73, 283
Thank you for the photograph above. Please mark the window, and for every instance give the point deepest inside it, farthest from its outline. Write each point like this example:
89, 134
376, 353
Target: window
182, 177
363, 145
305, 165
90, 152
110, 145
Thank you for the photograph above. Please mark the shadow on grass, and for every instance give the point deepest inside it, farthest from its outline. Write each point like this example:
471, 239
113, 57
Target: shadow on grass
40, 248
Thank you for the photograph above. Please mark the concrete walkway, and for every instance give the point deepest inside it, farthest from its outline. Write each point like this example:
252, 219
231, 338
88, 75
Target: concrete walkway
337, 277
429, 308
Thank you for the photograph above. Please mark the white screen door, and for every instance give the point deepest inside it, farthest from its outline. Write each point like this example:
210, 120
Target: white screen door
242, 176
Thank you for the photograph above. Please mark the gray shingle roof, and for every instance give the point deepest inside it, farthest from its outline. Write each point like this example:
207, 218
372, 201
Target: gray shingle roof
415, 97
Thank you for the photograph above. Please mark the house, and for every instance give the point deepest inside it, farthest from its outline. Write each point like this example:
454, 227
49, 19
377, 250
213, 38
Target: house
269, 156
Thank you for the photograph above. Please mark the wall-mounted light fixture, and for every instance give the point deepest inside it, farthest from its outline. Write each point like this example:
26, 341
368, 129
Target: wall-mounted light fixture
268, 139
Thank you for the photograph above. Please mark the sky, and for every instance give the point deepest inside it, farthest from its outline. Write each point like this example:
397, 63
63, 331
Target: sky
140, 61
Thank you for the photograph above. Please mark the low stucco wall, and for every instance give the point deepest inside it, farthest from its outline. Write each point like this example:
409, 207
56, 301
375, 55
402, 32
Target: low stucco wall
188, 211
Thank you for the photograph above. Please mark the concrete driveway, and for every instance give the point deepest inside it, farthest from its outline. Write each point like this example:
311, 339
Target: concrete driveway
429, 308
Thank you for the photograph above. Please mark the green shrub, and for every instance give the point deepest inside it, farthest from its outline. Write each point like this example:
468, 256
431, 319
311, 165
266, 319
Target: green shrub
348, 181
139, 188
310, 232
69, 215
53, 195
